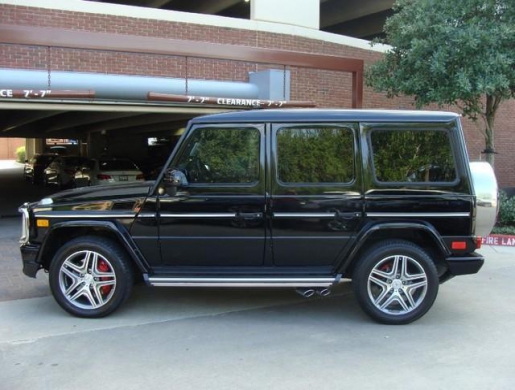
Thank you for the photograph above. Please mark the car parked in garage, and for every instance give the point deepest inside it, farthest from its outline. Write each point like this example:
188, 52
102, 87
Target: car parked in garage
107, 170
61, 170
34, 168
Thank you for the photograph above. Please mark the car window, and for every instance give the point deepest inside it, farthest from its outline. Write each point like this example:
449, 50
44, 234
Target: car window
315, 154
412, 156
222, 155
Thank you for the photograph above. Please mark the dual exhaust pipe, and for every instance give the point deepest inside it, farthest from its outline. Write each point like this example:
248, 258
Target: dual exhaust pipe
309, 292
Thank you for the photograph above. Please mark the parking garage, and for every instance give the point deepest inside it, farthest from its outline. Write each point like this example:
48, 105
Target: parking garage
127, 114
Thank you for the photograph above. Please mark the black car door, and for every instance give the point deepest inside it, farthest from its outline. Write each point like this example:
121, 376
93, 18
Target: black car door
218, 217
316, 202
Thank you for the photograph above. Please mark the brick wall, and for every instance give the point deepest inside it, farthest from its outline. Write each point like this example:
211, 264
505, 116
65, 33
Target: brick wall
326, 88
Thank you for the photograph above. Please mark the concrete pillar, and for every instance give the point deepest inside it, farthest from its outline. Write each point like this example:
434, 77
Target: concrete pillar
30, 148
303, 13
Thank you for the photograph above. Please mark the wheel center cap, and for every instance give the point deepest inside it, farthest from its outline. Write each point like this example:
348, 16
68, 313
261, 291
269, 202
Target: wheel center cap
88, 278
397, 284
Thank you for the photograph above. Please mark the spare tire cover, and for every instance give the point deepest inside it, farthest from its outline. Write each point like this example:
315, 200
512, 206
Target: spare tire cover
487, 194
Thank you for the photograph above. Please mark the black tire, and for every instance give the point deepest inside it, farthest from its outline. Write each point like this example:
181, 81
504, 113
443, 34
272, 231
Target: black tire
94, 271
389, 294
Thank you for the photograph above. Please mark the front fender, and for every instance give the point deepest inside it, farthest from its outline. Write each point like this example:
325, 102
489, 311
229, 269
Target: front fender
119, 232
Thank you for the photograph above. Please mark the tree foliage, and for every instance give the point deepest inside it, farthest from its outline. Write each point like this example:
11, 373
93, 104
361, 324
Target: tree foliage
414, 156
315, 155
448, 52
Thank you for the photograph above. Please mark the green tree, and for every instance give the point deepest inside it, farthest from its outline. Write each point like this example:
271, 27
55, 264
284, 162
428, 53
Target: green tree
310, 154
451, 52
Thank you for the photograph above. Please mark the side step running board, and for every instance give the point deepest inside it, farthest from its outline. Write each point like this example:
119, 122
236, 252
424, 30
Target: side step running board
160, 281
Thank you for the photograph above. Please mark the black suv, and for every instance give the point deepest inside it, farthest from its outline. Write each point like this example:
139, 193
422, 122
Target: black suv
278, 198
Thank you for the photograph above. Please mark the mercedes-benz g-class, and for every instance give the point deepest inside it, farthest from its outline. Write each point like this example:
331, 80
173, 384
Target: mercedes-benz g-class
278, 198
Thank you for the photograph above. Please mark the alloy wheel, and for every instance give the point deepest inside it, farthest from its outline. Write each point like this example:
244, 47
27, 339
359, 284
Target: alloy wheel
87, 280
397, 285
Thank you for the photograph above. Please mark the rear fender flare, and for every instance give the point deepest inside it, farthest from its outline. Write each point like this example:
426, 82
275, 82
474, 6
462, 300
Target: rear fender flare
363, 238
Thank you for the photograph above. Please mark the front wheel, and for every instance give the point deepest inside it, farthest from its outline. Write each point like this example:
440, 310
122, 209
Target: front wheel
396, 282
90, 277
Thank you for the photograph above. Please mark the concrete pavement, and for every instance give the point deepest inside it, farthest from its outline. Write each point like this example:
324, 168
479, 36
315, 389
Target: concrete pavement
267, 339
14, 190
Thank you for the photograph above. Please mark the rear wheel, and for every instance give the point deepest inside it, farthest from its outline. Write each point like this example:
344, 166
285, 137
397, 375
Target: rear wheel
396, 282
90, 277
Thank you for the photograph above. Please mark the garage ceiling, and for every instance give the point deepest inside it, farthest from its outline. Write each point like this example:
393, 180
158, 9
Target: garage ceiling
75, 121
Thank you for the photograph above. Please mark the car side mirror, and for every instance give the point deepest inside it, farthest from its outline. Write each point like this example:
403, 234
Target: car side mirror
173, 180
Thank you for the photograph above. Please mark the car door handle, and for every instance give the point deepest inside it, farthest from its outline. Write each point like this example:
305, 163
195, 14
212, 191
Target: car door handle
249, 215
347, 216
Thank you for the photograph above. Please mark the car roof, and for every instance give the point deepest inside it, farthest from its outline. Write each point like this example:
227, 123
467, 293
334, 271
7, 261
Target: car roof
328, 115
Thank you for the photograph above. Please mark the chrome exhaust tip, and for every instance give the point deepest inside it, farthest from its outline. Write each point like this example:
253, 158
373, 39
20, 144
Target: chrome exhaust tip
323, 292
305, 292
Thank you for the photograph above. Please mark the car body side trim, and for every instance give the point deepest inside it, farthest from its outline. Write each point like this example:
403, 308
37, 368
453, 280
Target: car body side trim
304, 215
79, 216
147, 215
417, 215
198, 215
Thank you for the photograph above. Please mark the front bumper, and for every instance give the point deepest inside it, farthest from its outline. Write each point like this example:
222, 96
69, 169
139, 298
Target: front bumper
29, 255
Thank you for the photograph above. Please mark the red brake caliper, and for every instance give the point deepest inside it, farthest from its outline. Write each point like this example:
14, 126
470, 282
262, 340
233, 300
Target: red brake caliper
103, 267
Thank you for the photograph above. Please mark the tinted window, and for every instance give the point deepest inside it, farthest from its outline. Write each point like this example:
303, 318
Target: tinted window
412, 156
218, 155
310, 154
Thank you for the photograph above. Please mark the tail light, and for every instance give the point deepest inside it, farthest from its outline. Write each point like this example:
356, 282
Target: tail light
459, 245
103, 177
140, 177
